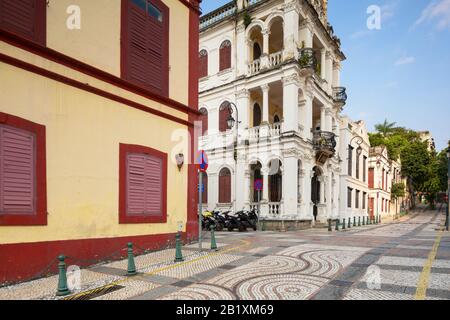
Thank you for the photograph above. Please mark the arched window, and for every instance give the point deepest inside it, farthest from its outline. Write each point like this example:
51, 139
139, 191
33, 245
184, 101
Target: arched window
256, 115
203, 62
225, 186
225, 55
204, 120
256, 51
224, 113
276, 119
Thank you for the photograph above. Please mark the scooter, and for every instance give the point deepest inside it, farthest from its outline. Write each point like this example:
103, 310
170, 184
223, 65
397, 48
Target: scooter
233, 222
248, 219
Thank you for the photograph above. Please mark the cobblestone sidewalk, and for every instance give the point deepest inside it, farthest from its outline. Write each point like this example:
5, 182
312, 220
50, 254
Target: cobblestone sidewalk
402, 260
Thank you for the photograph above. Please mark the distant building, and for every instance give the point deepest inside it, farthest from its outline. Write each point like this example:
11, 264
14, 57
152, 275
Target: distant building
425, 136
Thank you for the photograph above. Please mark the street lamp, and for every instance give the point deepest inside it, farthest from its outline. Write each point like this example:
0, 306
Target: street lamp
230, 123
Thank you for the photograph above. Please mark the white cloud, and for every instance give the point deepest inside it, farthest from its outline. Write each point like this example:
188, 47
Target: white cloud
405, 60
439, 12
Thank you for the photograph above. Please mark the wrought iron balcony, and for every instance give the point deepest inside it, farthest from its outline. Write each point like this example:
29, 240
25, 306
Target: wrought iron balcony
339, 95
325, 145
307, 59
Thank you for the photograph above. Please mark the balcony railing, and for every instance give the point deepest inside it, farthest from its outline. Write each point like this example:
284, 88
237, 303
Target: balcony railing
307, 59
217, 15
325, 145
340, 95
275, 59
254, 67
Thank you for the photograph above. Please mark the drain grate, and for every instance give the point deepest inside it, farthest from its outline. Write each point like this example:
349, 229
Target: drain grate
95, 293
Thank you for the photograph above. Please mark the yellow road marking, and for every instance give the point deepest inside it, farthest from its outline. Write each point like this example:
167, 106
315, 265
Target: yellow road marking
245, 243
422, 285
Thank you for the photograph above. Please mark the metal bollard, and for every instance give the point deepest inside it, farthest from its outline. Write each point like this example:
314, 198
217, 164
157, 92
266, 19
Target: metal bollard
131, 270
337, 225
354, 221
359, 221
343, 224
213, 239
364, 221
330, 229
63, 290
349, 223
178, 253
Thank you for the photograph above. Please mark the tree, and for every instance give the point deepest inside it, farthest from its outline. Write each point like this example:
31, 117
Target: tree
398, 190
385, 128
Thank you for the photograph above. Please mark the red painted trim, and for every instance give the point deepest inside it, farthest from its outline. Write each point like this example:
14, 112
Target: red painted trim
192, 199
124, 218
82, 67
83, 86
124, 52
25, 261
40, 217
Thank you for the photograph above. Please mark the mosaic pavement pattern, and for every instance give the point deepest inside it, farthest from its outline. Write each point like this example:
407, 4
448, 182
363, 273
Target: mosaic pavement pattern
376, 262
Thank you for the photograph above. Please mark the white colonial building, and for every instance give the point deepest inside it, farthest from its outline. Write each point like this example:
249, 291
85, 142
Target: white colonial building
271, 100
354, 153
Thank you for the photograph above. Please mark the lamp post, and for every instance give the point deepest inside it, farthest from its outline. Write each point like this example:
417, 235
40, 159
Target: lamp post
230, 123
447, 222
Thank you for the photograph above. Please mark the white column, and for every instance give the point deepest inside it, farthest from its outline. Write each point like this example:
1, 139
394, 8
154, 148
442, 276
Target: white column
291, 31
328, 120
242, 102
329, 70
322, 119
213, 189
240, 185
306, 205
265, 174
322, 181
265, 54
290, 183
241, 49
308, 114
290, 97
265, 90
323, 64
329, 193
336, 75
306, 33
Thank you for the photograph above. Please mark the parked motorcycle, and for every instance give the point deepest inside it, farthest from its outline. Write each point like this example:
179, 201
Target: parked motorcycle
248, 219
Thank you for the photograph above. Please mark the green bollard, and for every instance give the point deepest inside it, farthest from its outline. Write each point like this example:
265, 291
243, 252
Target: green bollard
343, 224
349, 223
359, 221
369, 220
131, 270
354, 221
178, 253
379, 218
330, 229
337, 225
63, 290
213, 239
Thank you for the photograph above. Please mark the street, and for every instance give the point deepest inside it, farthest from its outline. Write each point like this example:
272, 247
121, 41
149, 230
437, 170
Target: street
404, 260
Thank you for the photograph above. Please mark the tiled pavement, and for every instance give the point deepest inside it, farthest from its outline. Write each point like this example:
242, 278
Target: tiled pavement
388, 261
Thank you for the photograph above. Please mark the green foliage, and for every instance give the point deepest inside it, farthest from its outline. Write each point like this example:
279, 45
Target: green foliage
247, 19
398, 190
443, 170
385, 128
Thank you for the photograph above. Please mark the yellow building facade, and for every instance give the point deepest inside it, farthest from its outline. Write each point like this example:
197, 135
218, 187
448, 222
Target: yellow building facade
66, 78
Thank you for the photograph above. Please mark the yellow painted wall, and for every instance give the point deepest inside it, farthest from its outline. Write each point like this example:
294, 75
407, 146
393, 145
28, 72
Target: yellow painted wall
83, 136
98, 41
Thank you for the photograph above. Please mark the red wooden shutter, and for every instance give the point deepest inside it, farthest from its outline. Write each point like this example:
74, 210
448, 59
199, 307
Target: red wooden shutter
225, 186
224, 113
203, 57
25, 18
371, 178
146, 45
144, 185
17, 171
225, 56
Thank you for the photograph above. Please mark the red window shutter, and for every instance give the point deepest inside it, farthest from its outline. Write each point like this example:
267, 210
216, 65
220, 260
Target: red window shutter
225, 56
224, 113
17, 171
203, 57
144, 185
25, 18
225, 186
371, 178
146, 46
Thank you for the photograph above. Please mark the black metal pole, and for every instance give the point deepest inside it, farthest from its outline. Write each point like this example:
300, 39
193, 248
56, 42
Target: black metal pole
447, 222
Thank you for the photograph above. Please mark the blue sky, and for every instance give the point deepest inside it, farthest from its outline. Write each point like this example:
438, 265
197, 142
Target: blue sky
400, 72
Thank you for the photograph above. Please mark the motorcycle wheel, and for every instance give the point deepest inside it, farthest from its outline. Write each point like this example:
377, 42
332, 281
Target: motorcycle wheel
242, 228
230, 229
